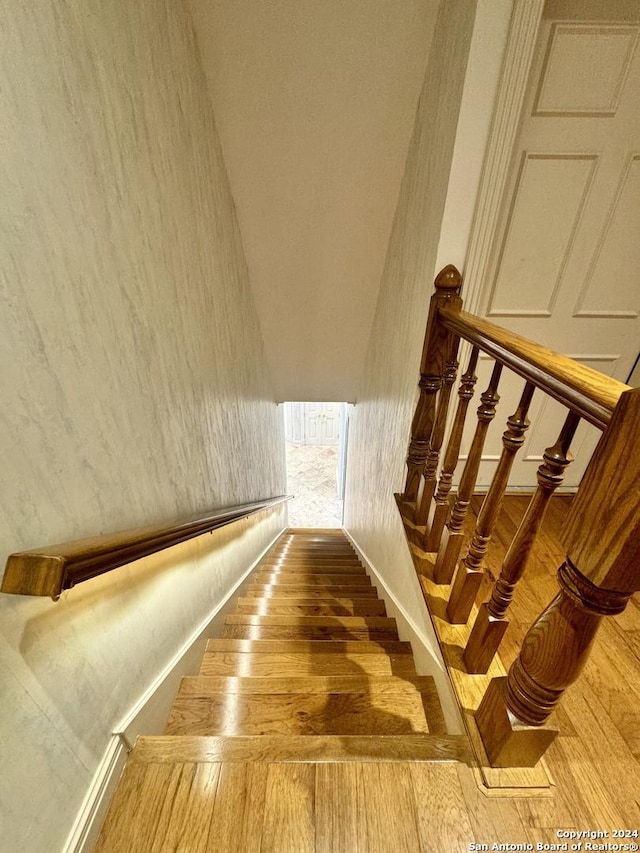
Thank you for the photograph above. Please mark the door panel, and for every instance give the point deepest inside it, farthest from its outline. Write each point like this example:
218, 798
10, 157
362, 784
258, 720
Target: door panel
565, 267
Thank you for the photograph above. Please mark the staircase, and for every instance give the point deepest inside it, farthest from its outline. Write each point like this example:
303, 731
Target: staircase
305, 709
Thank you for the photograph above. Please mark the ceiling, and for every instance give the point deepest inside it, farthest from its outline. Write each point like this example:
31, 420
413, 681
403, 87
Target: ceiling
314, 102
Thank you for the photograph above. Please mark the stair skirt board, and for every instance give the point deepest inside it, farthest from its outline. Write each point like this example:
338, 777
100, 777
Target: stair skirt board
425, 647
86, 829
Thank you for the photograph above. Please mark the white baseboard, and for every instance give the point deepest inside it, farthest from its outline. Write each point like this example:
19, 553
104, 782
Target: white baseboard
147, 717
423, 642
85, 831
150, 713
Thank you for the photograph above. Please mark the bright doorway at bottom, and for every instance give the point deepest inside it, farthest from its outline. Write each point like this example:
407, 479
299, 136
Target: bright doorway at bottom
316, 450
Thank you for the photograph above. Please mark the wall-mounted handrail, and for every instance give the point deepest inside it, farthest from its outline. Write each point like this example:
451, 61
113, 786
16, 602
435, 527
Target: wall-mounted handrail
50, 570
590, 394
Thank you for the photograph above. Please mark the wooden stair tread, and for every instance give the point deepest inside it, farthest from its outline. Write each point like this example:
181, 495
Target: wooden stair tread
310, 607
401, 712
339, 647
313, 567
330, 621
312, 550
315, 748
294, 664
203, 686
303, 591
312, 555
311, 579
308, 632
319, 550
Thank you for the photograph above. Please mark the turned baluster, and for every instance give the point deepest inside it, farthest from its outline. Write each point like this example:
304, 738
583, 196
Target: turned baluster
439, 509
470, 571
429, 479
490, 625
437, 343
452, 540
602, 540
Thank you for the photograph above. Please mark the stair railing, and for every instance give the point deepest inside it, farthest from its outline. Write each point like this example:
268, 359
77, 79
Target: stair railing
49, 571
601, 536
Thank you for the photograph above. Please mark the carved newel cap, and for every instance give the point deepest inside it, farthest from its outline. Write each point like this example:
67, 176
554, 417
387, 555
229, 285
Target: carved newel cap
448, 278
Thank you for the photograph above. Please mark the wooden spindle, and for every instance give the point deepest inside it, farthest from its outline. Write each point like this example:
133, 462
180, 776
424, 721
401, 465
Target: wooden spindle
602, 541
437, 343
491, 625
439, 509
470, 570
429, 480
451, 544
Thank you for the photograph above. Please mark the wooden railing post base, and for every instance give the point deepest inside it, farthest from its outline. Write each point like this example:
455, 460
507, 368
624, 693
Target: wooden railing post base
463, 594
484, 640
448, 556
509, 742
436, 523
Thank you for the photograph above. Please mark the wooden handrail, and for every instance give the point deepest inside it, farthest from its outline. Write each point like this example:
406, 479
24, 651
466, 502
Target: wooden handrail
585, 391
601, 536
50, 570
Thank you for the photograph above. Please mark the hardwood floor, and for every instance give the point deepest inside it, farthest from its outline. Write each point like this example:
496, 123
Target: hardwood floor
272, 748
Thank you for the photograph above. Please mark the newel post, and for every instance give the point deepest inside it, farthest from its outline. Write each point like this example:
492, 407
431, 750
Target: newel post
602, 570
438, 346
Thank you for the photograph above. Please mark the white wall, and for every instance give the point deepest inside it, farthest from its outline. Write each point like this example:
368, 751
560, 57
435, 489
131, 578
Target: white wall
432, 209
132, 377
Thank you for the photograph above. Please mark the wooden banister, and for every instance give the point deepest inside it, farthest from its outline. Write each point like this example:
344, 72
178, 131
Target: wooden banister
430, 478
451, 544
437, 344
50, 570
491, 625
439, 512
506, 715
471, 569
601, 572
590, 394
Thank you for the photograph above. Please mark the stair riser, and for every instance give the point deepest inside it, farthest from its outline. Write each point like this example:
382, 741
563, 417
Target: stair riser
345, 608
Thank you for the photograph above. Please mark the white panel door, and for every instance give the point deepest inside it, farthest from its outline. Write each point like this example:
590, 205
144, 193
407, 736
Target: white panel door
565, 268
312, 422
330, 425
321, 423
294, 423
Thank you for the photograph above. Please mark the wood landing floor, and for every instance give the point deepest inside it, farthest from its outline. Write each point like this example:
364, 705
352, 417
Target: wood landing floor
308, 729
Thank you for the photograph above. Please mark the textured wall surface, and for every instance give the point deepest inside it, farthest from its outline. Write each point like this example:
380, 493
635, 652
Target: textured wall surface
132, 375
381, 419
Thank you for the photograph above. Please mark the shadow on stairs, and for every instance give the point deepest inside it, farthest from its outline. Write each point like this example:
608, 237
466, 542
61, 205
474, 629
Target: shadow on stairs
307, 728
